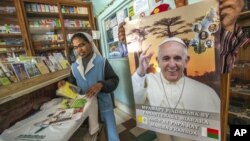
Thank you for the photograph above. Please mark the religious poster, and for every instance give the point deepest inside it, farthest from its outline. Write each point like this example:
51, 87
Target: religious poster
175, 74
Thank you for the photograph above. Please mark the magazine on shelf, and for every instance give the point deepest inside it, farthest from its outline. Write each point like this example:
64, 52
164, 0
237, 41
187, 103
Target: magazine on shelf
49, 64
56, 64
20, 71
3, 78
9, 72
40, 64
31, 68
68, 90
62, 61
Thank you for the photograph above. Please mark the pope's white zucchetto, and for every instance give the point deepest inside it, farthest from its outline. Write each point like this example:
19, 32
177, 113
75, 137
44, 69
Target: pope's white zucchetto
173, 39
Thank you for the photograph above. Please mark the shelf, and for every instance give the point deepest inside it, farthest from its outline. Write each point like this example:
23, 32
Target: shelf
13, 35
2, 15
21, 88
240, 92
11, 46
15, 51
42, 14
72, 16
239, 115
73, 30
78, 28
244, 15
49, 49
42, 30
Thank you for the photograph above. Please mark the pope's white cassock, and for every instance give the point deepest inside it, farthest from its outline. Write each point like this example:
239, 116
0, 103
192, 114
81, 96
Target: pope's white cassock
186, 94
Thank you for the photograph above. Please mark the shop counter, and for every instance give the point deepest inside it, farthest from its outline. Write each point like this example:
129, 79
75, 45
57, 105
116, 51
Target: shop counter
29, 129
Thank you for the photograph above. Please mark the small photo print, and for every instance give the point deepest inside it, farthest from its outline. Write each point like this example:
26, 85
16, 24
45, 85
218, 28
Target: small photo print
196, 27
209, 43
212, 28
203, 35
20, 71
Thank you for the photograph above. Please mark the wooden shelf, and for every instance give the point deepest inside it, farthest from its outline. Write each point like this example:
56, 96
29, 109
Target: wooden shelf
21, 88
11, 46
240, 93
73, 30
78, 28
15, 51
7, 3
243, 15
11, 35
239, 115
2, 15
49, 49
42, 14
43, 30
78, 16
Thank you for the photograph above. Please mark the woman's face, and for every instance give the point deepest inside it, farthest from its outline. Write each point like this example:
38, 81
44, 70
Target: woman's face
82, 47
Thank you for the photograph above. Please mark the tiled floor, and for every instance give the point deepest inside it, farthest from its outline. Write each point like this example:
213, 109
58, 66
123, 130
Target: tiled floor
126, 127
128, 131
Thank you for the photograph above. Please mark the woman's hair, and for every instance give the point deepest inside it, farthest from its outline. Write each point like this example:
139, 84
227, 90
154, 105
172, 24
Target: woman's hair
80, 36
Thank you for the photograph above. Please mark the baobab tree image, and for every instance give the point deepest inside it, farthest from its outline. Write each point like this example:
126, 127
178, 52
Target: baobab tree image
165, 27
161, 29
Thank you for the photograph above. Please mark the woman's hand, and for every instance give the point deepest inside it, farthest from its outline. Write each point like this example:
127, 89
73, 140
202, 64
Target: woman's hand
60, 83
94, 89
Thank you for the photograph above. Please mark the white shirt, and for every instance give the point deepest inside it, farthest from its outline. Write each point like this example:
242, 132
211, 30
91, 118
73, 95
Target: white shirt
186, 94
195, 96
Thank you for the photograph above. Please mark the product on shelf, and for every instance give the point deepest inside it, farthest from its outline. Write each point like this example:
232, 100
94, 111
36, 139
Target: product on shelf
74, 10
9, 72
41, 8
31, 68
20, 71
4, 80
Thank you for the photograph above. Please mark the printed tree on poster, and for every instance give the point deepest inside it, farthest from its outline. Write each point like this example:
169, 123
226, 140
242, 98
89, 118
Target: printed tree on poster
164, 27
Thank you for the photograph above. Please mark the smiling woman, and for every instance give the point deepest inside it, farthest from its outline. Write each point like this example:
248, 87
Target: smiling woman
96, 78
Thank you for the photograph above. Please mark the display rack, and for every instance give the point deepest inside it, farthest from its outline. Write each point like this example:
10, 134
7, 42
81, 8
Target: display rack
11, 40
24, 87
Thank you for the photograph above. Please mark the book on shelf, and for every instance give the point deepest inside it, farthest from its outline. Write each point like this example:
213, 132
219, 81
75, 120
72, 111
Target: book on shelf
9, 72
55, 63
68, 90
31, 68
46, 8
61, 59
40, 64
4, 80
20, 71
64, 63
49, 64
